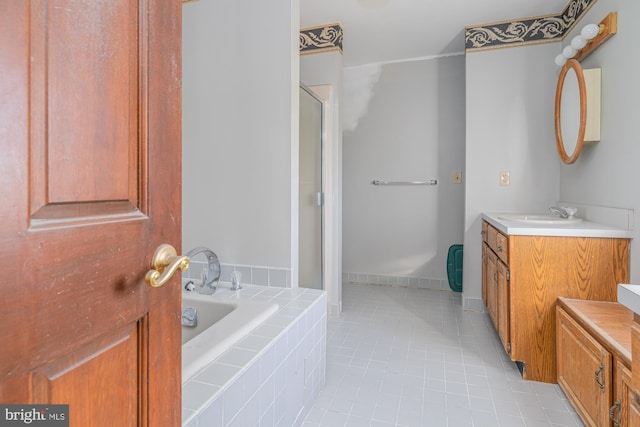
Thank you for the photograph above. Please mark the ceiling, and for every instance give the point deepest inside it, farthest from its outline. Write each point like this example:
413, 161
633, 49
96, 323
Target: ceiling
394, 30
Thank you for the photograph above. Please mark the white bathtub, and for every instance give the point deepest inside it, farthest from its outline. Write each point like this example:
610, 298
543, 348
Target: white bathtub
220, 325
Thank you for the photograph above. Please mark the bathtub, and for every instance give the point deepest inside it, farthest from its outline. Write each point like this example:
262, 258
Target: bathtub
220, 325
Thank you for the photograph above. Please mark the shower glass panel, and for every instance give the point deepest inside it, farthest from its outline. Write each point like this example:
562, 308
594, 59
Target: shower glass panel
310, 267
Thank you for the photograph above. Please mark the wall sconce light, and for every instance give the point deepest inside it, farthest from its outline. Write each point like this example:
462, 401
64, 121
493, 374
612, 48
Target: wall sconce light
591, 36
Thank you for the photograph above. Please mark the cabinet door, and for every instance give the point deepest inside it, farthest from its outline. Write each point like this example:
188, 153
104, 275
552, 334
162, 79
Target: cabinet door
634, 410
584, 371
625, 411
492, 291
485, 249
502, 284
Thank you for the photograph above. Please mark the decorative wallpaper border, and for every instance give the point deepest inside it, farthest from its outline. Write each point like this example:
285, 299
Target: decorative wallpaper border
541, 29
322, 38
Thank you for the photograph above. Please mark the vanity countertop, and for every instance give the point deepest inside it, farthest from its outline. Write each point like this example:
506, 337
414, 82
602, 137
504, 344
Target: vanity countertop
579, 229
629, 296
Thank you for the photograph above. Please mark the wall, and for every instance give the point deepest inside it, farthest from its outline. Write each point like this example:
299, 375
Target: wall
607, 173
413, 129
509, 127
325, 69
240, 131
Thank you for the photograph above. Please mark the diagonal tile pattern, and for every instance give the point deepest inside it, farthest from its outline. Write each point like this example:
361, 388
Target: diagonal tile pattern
412, 357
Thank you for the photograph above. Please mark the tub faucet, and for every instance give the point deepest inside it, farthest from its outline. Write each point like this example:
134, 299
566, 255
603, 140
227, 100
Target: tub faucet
211, 275
190, 317
564, 212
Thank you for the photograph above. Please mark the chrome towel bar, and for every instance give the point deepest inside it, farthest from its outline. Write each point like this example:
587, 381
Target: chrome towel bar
380, 182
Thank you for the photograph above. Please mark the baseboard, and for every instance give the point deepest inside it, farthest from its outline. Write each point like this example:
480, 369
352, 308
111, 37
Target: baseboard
472, 304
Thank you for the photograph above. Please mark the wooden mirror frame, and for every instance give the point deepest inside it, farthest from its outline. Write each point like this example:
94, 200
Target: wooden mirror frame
577, 68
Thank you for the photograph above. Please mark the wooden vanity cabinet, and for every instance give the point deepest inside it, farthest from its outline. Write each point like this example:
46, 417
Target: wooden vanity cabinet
522, 277
594, 361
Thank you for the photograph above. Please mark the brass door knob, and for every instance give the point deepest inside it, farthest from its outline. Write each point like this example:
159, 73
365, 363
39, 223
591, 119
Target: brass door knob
164, 263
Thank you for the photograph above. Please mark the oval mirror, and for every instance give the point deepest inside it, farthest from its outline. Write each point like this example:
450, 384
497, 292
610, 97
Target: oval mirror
571, 111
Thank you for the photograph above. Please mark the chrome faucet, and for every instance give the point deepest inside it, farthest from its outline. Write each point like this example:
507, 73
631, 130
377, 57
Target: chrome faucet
211, 275
190, 317
564, 212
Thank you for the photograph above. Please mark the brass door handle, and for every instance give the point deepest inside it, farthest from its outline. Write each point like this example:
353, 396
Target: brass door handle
165, 262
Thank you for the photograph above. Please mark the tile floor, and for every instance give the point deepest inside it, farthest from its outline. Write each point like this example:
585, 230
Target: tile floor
413, 357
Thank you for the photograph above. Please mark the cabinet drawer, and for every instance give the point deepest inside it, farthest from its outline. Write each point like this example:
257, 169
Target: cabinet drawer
502, 247
498, 242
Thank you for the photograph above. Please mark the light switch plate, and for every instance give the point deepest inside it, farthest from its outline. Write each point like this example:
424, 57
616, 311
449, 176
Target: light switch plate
504, 178
457, 178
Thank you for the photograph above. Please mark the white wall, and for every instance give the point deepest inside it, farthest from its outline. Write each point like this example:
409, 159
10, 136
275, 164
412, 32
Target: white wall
607, 173
413, 129
325, 69
509, 125
510, 106
240, 130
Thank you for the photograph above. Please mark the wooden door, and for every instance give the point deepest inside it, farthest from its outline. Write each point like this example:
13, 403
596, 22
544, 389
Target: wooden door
492, 286
633, 417
623, 395
90, 171
485, 249
584, 371
504, 308
625, 411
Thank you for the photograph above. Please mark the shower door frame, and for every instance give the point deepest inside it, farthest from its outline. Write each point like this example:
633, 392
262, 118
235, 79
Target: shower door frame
322, 205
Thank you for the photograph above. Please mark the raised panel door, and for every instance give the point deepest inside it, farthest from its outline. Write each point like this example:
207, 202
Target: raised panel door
492, 288
90, 171
584, 369
504, 306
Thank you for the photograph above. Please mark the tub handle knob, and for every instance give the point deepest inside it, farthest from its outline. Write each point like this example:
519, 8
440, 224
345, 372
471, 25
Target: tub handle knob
165, 263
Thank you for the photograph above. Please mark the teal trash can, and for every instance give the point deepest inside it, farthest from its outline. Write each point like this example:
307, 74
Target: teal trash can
454, 267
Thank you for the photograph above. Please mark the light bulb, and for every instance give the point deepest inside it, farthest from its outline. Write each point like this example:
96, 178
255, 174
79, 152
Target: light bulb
590, 31
569, 52
560, 60
578, 42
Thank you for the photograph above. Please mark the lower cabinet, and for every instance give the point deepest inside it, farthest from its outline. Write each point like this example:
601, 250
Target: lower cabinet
524, 274
495, 290
585, 371
594, 362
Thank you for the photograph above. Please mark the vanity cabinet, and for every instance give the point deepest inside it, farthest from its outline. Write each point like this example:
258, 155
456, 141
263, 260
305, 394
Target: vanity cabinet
495, 279
524, 274
594, 361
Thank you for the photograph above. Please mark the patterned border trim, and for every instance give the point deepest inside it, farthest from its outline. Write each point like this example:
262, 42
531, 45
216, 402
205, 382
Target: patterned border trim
542, 29
321, 39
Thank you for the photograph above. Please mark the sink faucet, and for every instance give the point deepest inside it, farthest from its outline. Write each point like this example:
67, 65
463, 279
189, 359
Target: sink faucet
211, 275
564, 212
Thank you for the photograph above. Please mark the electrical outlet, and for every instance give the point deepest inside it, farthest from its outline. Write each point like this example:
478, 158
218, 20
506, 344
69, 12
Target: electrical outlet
504, 178
457, 178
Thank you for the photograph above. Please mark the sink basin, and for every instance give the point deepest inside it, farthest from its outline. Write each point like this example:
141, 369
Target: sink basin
539, 219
